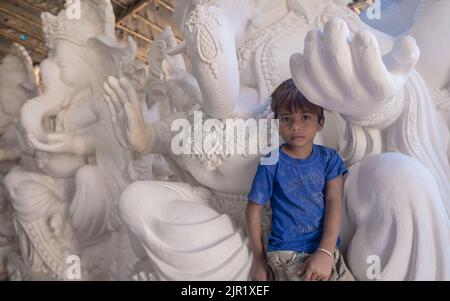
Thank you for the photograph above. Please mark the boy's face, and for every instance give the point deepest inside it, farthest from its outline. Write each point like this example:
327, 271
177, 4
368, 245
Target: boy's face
299, 128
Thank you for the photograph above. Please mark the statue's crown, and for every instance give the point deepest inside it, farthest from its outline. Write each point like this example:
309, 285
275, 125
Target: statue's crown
79, 21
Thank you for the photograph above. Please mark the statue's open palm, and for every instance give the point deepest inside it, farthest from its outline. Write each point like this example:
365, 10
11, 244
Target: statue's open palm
126, 114
348, 74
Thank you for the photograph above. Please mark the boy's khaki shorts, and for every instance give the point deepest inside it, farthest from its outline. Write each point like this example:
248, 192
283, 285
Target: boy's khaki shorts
286, 264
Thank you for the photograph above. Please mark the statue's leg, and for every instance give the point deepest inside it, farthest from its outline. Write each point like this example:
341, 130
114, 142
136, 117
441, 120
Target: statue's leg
41, 221
91, 208
181, 235
395, 224
91, 211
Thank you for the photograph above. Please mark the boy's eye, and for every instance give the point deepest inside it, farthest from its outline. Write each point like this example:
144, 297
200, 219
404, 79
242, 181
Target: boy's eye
306, 117
285, 119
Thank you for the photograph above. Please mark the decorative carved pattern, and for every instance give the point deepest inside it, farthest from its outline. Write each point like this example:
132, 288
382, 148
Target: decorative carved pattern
201, 23
383, 117
266, 41
442, 99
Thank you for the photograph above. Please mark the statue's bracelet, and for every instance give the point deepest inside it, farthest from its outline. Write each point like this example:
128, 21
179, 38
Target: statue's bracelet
325, 251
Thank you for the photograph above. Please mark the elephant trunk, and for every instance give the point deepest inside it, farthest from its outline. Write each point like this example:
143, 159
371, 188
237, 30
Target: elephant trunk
35, 110
212, 48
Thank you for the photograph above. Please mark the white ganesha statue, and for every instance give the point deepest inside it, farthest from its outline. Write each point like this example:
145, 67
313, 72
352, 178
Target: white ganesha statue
380, 116
65, 205
17, 84
93, 141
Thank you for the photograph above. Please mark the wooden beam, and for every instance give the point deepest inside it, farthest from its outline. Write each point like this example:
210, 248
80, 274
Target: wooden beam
120, 4
167, 6
153, 25
17, 25
31, 49
35, 8
6, 8
148, 22
3, 53
40, 44
133, 10
5, 46
44, 6
26, 44
132, 32
142, 58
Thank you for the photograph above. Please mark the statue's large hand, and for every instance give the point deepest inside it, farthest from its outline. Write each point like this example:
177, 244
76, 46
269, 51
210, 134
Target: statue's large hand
126, 115
349, 75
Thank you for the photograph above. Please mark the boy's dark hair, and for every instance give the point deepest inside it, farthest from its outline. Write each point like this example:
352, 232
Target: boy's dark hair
288, 96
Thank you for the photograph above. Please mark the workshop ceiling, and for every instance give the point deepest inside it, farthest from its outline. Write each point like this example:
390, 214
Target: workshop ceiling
141, 19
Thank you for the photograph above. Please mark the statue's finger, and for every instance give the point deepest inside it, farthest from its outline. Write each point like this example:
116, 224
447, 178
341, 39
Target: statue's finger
120, 92
370, 67
113, 112
300, 71
129, 90
316, 65
403, 56
113, 97
339, 59
312, 39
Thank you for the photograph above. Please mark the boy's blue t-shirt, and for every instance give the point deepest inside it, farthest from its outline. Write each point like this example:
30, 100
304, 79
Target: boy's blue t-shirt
296, 189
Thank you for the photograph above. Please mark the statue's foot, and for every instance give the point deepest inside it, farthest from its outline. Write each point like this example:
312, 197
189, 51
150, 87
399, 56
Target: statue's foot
183, 237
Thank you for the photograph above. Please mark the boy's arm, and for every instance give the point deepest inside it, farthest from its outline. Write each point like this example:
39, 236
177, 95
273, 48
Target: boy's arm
320, 263
253, 216
333, 213
260, 269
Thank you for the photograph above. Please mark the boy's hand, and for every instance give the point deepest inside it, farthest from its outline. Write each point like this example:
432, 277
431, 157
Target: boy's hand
317, 267
260, 270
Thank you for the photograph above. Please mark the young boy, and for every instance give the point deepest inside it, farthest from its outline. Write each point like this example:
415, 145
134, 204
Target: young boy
305, 189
